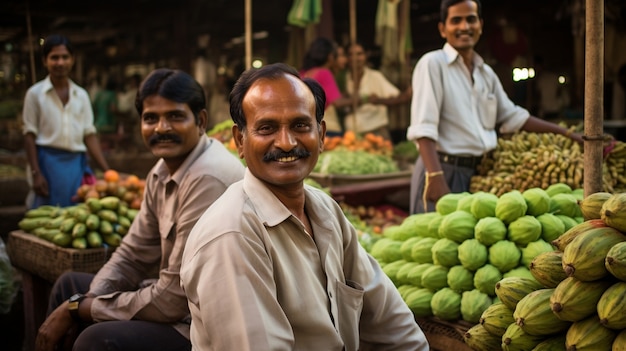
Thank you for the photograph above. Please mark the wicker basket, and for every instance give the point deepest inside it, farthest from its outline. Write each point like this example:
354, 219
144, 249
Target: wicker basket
443, 335
49, 261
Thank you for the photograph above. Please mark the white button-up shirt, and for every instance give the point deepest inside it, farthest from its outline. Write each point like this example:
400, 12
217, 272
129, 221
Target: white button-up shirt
54, 124
459, 109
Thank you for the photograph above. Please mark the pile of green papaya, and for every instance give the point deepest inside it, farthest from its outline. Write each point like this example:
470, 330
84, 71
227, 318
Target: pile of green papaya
92, 224
447, 263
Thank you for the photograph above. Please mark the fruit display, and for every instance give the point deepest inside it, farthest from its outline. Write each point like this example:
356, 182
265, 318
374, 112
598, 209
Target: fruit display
92, 224
575, 298
538, 160
448, 263
128, 188
367, 142
103, 215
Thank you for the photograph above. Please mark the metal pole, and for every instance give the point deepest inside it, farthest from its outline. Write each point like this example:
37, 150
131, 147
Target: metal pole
248, 33
594, 96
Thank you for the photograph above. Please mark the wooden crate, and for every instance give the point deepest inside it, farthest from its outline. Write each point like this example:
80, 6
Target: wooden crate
47, 260
444, 335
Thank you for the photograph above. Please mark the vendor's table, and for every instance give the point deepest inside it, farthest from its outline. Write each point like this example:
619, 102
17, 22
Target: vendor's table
369, 189
40, 263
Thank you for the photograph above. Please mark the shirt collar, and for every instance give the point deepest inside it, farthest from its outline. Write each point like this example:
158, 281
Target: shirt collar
47, 85
163, 173
269, 209
453, 55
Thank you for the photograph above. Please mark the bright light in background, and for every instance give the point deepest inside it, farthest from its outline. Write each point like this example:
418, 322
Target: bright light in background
562, 79
521, 74
257, 63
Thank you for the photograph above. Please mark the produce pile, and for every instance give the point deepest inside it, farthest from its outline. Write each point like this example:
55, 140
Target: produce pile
527, 160
9, 171
368, 142
103, 217
575, 298
447, 263
87, 225
128, 188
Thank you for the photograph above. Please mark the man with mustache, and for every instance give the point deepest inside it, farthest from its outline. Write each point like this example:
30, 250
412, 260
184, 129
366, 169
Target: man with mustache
458, 101
135, 302
274, 264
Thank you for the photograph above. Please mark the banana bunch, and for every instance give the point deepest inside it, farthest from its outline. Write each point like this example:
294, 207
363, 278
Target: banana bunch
615, 163
92, 224
527, 160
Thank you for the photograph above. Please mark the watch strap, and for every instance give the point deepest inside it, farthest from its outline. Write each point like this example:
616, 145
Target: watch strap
73, 304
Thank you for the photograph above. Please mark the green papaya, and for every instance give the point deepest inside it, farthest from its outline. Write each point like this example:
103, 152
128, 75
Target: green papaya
574, 300
584, 256
534, 315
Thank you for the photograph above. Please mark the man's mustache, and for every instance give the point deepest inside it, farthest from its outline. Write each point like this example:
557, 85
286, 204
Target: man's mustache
275, 155
164, 137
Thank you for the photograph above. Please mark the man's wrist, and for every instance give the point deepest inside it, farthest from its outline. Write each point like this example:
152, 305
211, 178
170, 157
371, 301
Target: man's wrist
74, 304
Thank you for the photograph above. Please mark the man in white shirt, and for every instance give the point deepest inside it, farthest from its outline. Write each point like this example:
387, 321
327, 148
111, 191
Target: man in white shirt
458, 101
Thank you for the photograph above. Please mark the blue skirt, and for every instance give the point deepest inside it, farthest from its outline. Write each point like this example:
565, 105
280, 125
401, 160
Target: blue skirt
64, 172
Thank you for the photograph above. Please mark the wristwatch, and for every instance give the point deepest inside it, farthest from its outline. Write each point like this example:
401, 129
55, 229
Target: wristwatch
73, 304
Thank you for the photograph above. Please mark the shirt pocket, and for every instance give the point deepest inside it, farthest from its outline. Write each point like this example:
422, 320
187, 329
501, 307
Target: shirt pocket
488, 111
349, 307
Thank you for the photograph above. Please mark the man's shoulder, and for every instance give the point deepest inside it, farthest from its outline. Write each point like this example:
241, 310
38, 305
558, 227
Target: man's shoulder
218, 162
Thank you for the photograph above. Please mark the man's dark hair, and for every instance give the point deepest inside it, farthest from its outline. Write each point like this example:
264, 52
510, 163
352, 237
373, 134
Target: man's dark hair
445, 5
273, 71
55, 40
174, 85
318, 53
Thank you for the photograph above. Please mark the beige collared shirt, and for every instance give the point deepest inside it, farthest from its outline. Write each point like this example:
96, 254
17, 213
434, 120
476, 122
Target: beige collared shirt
172, 204
457, 108
255, 280
55, 125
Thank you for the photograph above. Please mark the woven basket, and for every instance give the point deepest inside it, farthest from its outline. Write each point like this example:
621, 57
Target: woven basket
443, 335
49, 261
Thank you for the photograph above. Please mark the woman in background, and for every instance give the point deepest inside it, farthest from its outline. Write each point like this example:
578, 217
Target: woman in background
321, 57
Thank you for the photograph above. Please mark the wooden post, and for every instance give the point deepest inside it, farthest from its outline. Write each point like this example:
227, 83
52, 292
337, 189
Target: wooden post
33, 72
355, 84
248, 33
594, 96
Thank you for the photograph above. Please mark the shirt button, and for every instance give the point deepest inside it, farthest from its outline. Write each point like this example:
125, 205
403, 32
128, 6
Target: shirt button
330, 294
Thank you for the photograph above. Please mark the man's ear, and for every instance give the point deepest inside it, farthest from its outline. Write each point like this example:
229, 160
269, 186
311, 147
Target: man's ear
322, 131
203, 120
238, 137
441, 27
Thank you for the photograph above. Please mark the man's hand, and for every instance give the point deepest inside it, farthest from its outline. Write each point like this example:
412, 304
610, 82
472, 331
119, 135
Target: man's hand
54, 329
436, 187
40, 185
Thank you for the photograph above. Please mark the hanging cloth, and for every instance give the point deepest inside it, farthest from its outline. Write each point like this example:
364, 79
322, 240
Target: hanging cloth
304, 12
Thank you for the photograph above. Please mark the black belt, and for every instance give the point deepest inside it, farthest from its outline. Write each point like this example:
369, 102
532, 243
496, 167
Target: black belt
460, 161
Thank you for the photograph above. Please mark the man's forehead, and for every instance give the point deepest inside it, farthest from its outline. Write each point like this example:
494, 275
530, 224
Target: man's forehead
265, 84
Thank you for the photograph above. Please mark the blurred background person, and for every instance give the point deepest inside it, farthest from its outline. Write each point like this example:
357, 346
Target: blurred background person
375, 93
58, 130
319, 62
105, 107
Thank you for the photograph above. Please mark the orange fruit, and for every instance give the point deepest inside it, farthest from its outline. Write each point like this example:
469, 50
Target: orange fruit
101, 186
111, 175
132, 182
